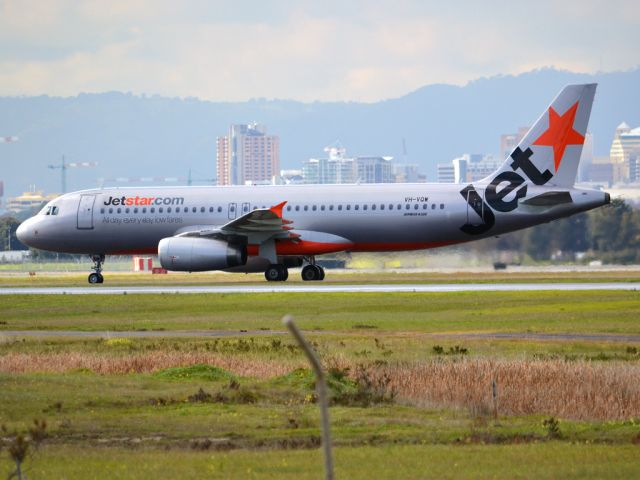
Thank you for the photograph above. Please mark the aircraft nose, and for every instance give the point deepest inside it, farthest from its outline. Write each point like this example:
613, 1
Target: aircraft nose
25, 233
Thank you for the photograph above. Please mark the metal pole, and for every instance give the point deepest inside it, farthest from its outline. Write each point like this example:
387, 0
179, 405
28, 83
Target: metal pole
321, 387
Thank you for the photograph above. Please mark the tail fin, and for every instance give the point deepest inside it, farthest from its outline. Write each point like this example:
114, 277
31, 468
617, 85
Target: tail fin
549, 153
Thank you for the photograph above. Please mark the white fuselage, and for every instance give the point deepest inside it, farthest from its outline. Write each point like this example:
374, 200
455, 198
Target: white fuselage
377, 217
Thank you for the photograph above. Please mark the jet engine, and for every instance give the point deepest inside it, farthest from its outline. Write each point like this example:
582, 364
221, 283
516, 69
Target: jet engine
193, 254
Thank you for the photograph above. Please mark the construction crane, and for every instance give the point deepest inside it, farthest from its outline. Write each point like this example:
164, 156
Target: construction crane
189, 180
63, 166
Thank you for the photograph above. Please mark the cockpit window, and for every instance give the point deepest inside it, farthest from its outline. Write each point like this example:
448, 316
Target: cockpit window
50, 210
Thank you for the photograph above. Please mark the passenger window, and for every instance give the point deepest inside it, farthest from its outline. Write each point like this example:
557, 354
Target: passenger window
194, 209
152, 209
297, 208
416, 206
364, 207
382, 206
322, 207
135, 210
390, 207
314, 208
144, 209
356, 207
119, 210
442, 206
201, 209
102, 210
111, 210
424, 206
407, 206
126, 210
168, 209
331, 207
210, 209
160, 210
219, 209
306, 207
288, 208
348, 207
373, 207
433, 206
399, 206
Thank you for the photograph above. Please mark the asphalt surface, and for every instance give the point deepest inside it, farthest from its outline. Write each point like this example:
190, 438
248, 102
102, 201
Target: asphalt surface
233, 333
320, 288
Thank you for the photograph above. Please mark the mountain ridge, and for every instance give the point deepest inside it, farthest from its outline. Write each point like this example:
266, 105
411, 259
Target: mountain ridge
150, 135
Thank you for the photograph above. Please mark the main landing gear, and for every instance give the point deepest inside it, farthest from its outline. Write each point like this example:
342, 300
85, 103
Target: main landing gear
312, 272
96, 276
276, 273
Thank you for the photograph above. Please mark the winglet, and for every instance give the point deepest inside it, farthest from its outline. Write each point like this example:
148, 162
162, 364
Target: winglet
277, 209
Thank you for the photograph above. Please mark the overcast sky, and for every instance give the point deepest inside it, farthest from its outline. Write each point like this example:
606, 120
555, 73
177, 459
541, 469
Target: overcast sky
303, 50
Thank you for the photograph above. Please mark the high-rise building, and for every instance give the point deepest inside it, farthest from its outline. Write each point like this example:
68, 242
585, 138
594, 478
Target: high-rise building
625, 150
446, 173
247, 155
586, 158
338, 168
467, 168
408, 173
509, 141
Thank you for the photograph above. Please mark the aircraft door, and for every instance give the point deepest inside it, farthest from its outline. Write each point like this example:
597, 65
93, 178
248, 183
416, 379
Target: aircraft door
232, 211
475, 207
85, 212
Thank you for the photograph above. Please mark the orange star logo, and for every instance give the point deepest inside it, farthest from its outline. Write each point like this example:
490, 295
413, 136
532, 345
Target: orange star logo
560, 133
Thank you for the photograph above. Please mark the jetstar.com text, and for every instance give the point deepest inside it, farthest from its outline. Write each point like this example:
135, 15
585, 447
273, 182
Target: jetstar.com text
131, 201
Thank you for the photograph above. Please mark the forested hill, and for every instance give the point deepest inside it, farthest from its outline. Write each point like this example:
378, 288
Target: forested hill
133, 135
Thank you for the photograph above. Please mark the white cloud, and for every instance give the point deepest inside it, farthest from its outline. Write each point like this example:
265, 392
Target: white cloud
303, 50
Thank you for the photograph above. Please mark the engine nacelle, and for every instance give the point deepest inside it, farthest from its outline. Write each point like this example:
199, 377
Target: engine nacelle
193, 254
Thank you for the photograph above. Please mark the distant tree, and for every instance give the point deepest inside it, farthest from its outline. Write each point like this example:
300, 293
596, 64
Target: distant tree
615, 232
538, 242
8, 239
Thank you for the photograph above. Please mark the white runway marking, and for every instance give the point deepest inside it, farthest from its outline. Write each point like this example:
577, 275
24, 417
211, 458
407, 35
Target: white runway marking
322, 288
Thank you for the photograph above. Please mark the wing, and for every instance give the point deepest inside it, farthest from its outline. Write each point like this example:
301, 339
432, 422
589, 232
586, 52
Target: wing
257, 225
261, 220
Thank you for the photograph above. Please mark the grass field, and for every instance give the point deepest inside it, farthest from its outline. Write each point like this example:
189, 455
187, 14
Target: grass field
117, 278
405, 404
545, 311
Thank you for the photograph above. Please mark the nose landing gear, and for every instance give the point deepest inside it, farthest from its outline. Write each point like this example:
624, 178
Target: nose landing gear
96, 276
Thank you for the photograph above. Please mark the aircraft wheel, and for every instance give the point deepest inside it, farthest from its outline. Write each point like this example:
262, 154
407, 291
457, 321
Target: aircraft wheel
276, 273
321, 270
94, 278
100, 278
310, 273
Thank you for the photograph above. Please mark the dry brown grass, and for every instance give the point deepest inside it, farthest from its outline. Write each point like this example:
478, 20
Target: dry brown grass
578, 390
581, 390
142, 363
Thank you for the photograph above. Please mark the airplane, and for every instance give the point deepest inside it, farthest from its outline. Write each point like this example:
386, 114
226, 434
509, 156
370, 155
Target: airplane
273, 228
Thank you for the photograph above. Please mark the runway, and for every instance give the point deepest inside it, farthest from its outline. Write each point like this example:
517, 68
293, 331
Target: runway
320, 288
588, 337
